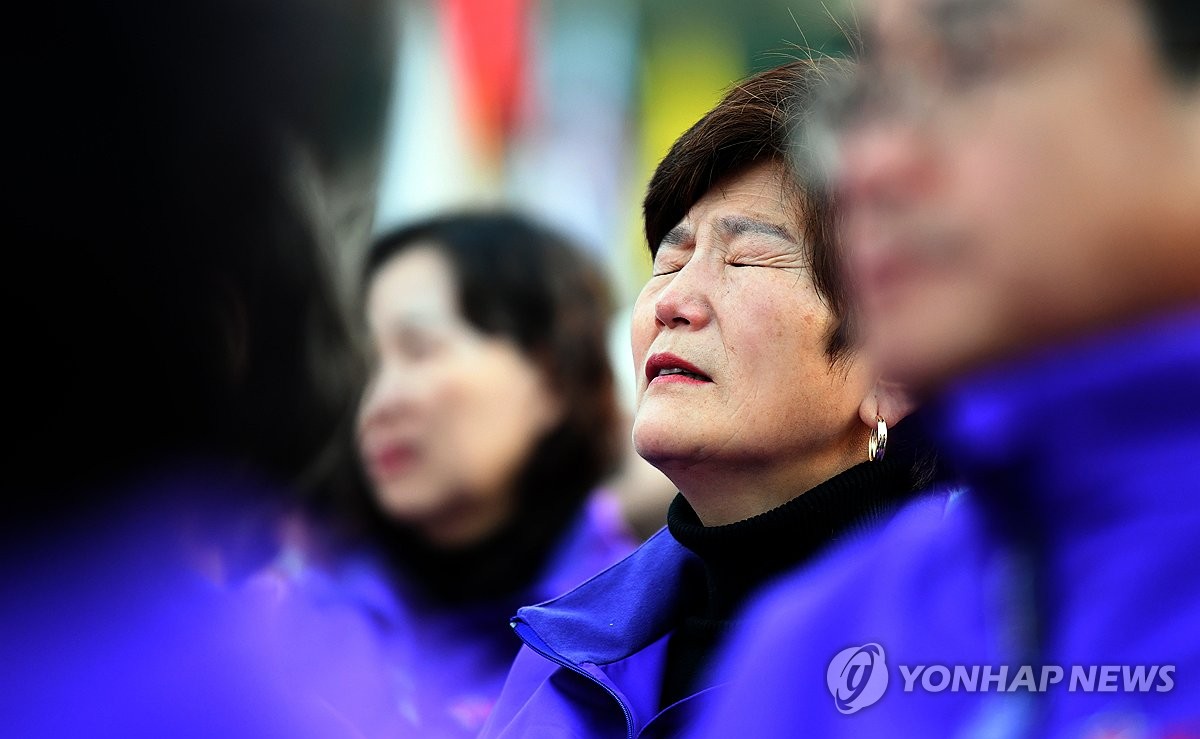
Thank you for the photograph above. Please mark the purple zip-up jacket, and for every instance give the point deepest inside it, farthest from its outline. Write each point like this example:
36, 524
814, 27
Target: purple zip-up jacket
593, 658
1076, 546
440, 667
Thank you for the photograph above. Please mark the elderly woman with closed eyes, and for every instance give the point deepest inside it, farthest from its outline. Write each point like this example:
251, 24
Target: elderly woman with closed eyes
752, 398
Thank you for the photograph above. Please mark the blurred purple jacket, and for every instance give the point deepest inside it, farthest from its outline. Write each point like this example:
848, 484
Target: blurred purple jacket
120, 623
1076, 545
440, 666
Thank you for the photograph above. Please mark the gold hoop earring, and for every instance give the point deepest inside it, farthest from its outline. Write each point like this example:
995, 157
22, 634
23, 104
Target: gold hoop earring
877, 444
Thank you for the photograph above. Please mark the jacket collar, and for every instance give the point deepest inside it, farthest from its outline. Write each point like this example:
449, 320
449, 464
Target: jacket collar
622, 610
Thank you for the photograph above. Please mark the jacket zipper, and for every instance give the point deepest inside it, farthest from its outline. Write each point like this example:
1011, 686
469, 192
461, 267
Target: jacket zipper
534, 642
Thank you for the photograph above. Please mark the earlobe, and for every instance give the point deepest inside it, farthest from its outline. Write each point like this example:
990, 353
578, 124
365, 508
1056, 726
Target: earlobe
556, 411
888, 400
551, 403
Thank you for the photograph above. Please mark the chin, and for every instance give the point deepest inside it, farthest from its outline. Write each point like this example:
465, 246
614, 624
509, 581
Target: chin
919, 353
938, 364
648, 435
662, 445
407, 506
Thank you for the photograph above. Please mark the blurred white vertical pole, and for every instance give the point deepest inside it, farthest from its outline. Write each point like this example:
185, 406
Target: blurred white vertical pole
428, 164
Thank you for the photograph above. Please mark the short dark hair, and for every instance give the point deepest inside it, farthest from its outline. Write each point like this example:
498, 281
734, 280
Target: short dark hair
754, 123
1175, 25
527, 283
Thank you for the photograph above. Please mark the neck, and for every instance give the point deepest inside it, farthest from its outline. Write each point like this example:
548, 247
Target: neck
739, 557
503, 563
722, 493
468, 520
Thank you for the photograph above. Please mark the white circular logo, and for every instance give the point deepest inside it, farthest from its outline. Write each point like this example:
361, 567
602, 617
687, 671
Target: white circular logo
857, 677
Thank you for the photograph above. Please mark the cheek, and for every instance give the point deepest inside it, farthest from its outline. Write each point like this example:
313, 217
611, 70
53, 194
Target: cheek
1033, 198
990, 181
1038, 184
777, 332
989, 226
436, 415
794, 395
494, 417
642, 330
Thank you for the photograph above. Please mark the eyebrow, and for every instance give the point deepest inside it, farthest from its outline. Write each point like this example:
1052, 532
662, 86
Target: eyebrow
943, 16
951, 13
415, 320
676, 236
732, 226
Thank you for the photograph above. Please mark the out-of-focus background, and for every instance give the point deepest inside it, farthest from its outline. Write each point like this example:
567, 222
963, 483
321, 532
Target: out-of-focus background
562, 108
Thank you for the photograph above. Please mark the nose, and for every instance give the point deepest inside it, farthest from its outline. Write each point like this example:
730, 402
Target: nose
684, 303
389, 395
886, 168
881, 164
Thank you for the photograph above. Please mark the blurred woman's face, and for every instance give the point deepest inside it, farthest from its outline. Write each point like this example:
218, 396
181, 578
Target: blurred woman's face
451, 415
729, 342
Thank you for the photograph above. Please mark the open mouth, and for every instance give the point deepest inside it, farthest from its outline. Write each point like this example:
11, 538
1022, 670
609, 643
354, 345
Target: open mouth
667, 372
670, 368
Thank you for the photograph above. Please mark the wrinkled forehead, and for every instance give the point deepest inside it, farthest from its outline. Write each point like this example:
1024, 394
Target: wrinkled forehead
900, 12
891, 23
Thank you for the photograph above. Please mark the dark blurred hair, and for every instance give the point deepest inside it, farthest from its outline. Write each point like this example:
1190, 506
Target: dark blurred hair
755, 123
522, 281
175, 162
1176, 27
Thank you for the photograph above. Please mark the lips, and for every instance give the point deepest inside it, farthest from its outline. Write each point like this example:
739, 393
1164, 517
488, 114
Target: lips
389, 460
665, 367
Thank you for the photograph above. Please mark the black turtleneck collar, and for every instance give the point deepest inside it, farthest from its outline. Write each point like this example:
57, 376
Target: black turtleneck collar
739, 558
502, 566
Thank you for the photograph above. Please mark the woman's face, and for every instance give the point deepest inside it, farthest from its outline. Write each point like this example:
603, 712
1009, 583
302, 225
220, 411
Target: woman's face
451, 415
732, 304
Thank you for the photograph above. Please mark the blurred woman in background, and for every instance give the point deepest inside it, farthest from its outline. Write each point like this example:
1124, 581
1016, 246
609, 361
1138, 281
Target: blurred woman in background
484, 431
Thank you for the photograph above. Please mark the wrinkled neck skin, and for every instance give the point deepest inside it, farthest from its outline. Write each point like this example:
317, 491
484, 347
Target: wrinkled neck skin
724, 492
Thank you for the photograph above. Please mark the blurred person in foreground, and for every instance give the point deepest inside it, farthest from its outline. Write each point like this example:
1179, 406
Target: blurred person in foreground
488, 423
753, 400
184, 167
1022, 184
